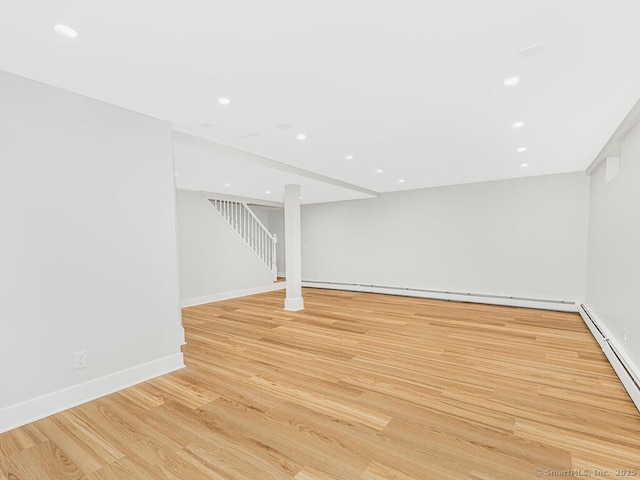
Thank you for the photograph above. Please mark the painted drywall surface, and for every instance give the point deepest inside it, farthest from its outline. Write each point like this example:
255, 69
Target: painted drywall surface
613, 272
213, 258
88, 259
523, 237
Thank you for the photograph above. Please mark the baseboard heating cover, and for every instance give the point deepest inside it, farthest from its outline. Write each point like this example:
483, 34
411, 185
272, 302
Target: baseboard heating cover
628, 374
512, 301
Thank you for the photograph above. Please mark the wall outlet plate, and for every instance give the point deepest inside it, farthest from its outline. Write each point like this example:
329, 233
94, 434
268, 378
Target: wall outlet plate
80, 360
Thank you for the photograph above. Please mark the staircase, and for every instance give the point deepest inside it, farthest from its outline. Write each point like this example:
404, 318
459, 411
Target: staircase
251, 230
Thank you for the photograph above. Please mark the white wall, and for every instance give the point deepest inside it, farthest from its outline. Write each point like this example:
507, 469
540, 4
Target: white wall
613, 274
213, 259
87, 249
524, 237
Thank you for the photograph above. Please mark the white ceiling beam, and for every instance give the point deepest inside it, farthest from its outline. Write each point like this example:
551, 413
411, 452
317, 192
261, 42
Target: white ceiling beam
283, 167
612, 147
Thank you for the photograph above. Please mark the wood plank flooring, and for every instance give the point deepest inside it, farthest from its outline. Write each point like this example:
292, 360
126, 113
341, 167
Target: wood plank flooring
356, 387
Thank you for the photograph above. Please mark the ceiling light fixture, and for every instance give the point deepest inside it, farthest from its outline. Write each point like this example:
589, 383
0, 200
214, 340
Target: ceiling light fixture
511, 81
348, 157
524, 165
227, 185
379, 170
301, 136
224, 101
65, 31
401, 180
268, 192
518, 125
522, 149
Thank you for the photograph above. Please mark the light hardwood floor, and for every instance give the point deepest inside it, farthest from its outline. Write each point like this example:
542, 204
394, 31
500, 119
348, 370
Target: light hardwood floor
356, 387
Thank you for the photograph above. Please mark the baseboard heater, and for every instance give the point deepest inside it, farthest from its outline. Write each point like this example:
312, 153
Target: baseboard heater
627, 374
546, 304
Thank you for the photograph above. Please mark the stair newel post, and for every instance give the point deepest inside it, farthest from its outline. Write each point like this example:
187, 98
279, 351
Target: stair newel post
274, 266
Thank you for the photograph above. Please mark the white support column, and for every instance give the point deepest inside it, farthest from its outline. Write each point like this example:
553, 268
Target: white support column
293, 248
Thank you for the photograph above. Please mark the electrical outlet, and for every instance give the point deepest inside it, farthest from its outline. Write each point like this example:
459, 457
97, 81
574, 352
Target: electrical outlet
624, 336
79, 360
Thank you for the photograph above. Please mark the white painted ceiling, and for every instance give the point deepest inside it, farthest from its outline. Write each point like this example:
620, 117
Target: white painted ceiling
414, 87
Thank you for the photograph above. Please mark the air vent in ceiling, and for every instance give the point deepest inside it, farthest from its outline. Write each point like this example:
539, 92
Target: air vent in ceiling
536, 49
244, 136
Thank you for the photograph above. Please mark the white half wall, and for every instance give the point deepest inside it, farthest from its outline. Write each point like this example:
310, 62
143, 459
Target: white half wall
523, 237
213, 258
88, 257
613, 269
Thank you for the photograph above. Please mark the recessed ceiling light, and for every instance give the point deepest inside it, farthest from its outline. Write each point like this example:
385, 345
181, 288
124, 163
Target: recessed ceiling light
522, 149
65, 31
379, 170
518, 124
401, 180
301, 136
348, 157
511, 81
268, 192
224, 101
227, 185
524, 165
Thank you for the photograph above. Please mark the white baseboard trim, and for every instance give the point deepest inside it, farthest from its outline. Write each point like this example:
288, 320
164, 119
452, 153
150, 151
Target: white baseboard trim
543, 304
29, 411
294, 304
216, 297
627, 372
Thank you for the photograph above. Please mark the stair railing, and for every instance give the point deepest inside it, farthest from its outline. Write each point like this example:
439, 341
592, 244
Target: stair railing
251, 230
